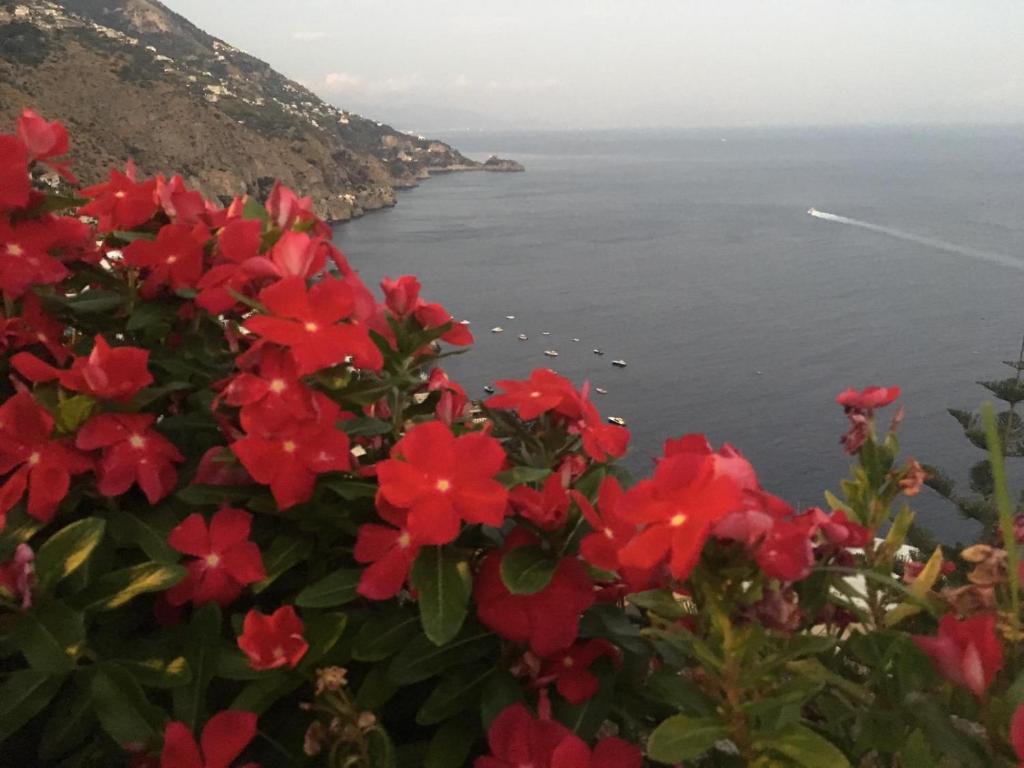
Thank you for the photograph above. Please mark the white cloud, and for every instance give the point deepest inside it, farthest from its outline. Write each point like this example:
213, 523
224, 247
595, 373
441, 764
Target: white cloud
342, 81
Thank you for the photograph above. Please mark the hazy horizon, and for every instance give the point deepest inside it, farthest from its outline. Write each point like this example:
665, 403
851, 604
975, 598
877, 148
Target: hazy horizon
608, 64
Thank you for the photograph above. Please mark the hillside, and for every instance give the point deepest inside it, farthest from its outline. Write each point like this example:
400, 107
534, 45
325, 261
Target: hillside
131, 78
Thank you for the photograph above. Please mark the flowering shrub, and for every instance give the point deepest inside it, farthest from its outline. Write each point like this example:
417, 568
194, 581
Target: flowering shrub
246, 519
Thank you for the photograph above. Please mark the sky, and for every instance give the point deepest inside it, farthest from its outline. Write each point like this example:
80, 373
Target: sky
477, 64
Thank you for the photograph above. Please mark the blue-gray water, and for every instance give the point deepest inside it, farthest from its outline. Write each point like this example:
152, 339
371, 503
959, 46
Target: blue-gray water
694, 259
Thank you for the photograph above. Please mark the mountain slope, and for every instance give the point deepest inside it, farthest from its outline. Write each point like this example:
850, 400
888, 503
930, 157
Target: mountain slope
131, 78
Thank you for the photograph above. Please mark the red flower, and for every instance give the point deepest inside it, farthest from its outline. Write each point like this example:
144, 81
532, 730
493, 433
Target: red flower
14, 181
34, 326
547, 620
288, 458
273, 641
286, 208
786, 552
453, 405
434, 316
182, 205
295, 254
442, 479
390, 553
516, 740
402, 296
307, 323
25, 258
275, 397
966, 652
226, 560
175, 258
238, 241
686, 497
613, 752
544, 391
41, 465
225, 737
18, 576
133, 453
45, 141
120, 203
611, 531
601, 441
868, 399
570, 669
548, 509
1017, 733
108, 373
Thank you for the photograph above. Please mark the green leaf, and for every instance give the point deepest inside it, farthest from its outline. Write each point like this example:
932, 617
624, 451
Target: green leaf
940, 733
520, 475
451, 744
201, 650
336, 589
95, 301
67, 550
667, 686
213, 495
128, 527
376, 689
71, 721
284, 553
252, 209
323, 631
366, 426
260, 695
123, 709
917, 590
662, 602
584, 719
527, 570
384, 636
24, 694
50, 636
803, 746
500, 690
72, 412
348, 488
382, 751
232, 664
684, 738
455, 692
155, 672
118, 588
421, 659
444, 583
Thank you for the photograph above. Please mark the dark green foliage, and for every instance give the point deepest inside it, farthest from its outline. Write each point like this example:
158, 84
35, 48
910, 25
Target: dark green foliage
24, 44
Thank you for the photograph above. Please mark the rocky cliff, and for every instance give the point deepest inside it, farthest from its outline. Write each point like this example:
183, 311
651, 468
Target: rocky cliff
131, 78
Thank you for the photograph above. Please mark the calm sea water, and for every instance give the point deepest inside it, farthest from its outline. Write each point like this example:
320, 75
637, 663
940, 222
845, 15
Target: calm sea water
691, 256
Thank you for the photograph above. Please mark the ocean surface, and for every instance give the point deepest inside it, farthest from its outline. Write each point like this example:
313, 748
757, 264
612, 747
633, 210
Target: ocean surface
691, 255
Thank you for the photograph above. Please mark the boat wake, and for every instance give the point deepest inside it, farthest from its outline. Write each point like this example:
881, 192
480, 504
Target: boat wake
931, 242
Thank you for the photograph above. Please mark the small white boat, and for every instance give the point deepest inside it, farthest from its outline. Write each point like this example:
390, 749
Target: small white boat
510, 317
550, 353
812, 211
598, 351
618, 420
488, 389
497, 329
522, 337
545, 333
601, 391
575, 339
619, 363
463, 322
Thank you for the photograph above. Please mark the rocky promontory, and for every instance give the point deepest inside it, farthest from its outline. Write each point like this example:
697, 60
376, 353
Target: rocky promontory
133, 79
